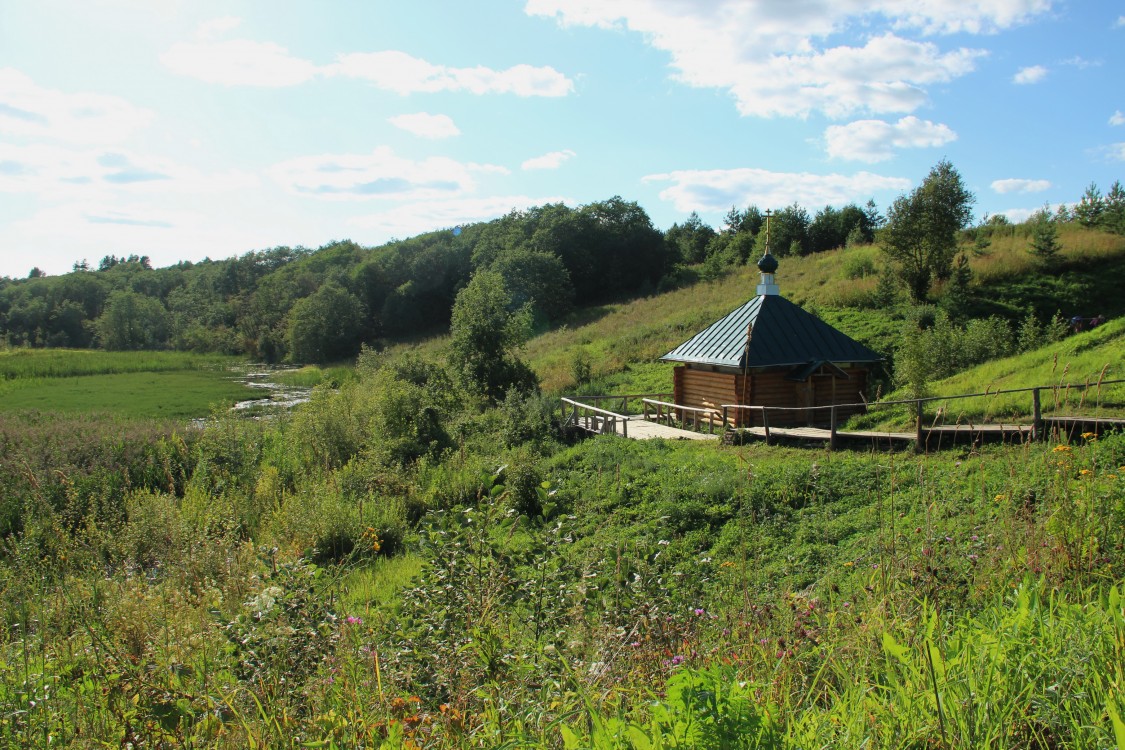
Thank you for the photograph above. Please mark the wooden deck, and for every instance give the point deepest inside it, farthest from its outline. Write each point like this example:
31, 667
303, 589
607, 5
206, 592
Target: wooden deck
640, 429
932, 437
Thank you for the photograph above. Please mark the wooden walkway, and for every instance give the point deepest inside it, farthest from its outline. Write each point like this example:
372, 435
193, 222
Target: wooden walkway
640, 429
931, 437
710, 423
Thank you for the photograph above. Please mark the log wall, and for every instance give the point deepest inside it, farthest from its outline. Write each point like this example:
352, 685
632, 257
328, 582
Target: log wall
705, 389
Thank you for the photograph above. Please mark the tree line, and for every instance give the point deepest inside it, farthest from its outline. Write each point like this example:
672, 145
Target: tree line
302, 305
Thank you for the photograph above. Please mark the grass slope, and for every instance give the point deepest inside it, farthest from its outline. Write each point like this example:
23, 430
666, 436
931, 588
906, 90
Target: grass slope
1089, 359
623, 341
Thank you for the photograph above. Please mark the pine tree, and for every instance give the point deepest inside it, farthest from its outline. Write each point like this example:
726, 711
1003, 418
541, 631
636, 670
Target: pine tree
1044, 239
1113, 218
1089, 210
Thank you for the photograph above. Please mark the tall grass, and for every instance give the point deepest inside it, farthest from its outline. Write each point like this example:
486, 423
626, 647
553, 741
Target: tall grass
64, 363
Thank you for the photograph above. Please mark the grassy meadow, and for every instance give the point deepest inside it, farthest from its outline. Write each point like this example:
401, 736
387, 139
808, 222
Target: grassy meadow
157, 385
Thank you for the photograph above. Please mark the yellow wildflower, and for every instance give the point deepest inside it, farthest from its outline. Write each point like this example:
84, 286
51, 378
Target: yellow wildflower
1085, 472
1061, 449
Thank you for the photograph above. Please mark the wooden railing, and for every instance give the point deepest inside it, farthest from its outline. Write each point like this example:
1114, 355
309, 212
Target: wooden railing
666, 412
918, 405
593, 419
603, 421
621, 402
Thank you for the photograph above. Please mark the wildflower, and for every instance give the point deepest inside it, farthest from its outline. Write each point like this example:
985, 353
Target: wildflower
699, 611
677, 659
1001, 498
1085, 472
352, 620
1061, 449
1089, 436
726, 564
663, 542
849, 564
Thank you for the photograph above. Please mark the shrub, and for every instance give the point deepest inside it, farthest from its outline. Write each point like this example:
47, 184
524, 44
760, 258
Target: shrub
528, 419
859, 266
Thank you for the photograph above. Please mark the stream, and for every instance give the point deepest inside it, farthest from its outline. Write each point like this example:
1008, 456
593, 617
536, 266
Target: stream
276, 396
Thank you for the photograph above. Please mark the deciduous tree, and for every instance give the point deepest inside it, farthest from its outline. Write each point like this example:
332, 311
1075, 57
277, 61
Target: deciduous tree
920, 236
485, 330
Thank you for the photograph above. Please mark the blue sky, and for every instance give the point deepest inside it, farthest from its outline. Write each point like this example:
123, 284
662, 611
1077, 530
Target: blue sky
185, 129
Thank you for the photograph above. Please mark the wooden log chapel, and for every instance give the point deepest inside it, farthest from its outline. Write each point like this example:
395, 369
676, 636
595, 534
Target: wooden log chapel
770, 352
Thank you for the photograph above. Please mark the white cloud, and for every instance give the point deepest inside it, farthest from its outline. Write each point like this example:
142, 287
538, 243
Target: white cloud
405, 74
238, 62
1117, 118
1082, 63
1120, 22
1031, 74
244, 62
719, 189
425, 125
1020, 186
553, 160
875, 140
426, 216
1019, 215
788, 58
56, 172
29, 110
380, 174
1116, 151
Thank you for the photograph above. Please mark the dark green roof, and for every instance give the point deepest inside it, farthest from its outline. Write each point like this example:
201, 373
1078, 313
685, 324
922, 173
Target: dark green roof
781, 334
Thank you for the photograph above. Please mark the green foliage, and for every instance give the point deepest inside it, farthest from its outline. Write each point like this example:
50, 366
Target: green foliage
536, 279
325, 326
1090, 207
485, 332
689, 242
132, 321
932, 351
957, 297
528, 419
1044, 242
920, 235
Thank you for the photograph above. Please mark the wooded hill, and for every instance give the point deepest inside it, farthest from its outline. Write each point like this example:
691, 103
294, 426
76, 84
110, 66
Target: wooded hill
566, 265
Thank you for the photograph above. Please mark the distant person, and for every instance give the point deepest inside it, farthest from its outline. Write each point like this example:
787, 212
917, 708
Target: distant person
1097, 320
1076, 323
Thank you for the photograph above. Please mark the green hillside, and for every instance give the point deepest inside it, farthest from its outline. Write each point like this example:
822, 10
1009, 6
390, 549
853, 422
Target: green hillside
623, 341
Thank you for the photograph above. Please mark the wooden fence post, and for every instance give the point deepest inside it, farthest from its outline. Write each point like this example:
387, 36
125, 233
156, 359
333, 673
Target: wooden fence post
918, 446
832, 428
766, 424
1036, 416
